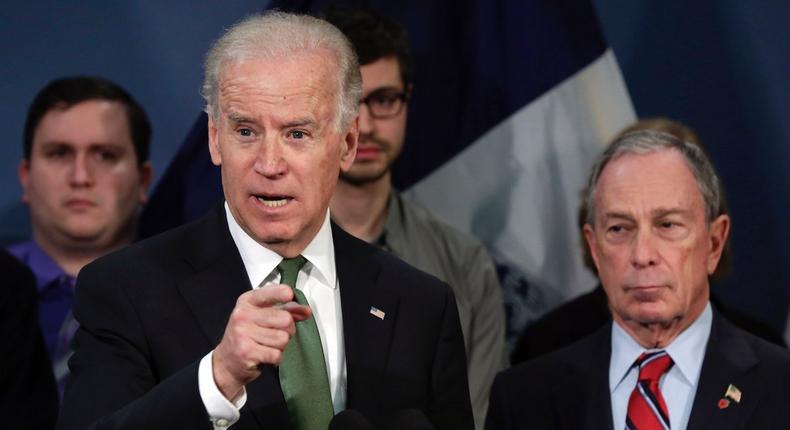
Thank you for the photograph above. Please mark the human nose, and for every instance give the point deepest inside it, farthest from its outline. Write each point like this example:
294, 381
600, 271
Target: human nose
82, 174
269, 160
645, 252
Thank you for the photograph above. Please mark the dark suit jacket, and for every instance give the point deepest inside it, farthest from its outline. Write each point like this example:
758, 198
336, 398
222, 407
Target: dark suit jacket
150, 312
28, 395
569, 388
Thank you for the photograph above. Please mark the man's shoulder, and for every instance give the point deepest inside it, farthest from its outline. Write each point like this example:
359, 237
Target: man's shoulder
419, 221
772, 357
425, 241
394, 271
165, 250
578, 360
19, 282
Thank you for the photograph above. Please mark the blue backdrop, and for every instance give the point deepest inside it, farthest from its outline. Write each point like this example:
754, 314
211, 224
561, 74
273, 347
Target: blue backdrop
721, 67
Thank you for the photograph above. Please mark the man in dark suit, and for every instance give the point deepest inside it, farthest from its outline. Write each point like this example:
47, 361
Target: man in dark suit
27, 387
668, 360
264, 315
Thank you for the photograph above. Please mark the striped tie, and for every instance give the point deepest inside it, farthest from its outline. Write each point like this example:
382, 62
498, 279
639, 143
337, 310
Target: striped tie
646, 407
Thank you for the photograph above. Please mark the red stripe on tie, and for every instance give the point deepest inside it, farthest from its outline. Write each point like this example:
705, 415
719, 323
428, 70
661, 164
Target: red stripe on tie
646, 407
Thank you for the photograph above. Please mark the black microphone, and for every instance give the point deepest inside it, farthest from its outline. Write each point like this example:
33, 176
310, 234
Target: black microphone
350, 419
410, 419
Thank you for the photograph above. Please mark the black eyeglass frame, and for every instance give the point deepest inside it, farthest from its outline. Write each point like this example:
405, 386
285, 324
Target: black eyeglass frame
402, 97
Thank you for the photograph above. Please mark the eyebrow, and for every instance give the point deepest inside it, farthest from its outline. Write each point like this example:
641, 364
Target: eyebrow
299, 122
655, 213
61, 143
385, 88
662, 212
237, 118
618, 215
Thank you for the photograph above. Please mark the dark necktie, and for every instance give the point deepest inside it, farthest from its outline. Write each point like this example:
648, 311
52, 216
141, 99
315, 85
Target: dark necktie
63, 348
646, 407
303, 376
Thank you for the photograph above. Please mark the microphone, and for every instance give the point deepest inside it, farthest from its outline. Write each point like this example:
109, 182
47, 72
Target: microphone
350, 419
410, 419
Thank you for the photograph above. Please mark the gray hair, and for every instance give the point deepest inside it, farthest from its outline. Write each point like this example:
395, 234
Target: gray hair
650, 141
278, 34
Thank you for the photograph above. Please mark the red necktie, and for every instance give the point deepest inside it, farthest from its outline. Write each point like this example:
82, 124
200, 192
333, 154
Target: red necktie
646, 407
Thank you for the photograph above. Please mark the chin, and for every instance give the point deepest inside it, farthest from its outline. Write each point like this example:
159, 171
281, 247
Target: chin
360, 174
272, 234
84, 229
652, 313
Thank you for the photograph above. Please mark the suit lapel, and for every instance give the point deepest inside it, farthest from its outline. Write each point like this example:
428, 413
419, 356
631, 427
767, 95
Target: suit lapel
219, 278
590, 406
367, 337
728, 360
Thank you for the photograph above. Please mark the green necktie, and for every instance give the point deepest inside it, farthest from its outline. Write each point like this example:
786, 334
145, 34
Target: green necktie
303, 376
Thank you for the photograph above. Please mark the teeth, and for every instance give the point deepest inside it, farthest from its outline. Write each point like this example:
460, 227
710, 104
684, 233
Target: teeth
273, 203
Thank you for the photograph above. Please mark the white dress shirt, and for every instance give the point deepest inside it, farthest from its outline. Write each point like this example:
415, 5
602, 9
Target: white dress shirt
678, 386
318, 281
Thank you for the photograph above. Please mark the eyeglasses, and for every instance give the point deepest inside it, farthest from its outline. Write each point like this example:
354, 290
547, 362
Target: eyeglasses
385, 102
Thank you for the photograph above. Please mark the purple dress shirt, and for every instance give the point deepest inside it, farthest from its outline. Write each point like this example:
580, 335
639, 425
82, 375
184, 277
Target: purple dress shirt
55, 298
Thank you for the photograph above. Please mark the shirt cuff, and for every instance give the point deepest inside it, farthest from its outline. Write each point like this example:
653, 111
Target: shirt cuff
222, 412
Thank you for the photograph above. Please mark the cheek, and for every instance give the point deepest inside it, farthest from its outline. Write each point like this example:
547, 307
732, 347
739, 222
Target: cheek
396, 133
323, 179
46, 187
613, 259
47, 177
123, 185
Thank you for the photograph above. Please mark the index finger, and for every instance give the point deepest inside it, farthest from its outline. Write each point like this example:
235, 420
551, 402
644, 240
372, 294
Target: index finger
270, 295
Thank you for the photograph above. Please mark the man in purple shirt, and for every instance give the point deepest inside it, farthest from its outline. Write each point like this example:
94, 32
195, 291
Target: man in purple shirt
84, 175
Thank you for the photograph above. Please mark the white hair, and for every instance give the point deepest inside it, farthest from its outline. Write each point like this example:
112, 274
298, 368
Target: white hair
278, 34
650, 141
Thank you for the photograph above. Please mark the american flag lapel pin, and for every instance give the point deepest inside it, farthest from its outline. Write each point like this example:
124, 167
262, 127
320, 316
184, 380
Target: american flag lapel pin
733, 393
378, 313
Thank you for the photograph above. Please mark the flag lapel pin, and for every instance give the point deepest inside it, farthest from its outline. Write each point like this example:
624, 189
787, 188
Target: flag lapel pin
733, 393
378, 313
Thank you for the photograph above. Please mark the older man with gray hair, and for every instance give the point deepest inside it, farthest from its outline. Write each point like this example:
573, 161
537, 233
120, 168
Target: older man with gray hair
656, 231
264, 314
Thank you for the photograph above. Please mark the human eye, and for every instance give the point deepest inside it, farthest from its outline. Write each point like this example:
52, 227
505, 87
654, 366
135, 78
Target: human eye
57, 152
298, 134
107, 155
385, 100
672, 229
245, 132
618, 231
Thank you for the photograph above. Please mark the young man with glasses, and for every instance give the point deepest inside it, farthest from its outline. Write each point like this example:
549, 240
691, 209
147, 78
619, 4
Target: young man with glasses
366, 205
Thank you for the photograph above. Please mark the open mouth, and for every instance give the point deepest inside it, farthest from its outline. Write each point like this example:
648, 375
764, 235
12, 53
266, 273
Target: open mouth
273, 201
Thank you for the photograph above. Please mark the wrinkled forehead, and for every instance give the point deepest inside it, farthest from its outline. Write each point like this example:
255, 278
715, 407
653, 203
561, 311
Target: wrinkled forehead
313, 69
654, 179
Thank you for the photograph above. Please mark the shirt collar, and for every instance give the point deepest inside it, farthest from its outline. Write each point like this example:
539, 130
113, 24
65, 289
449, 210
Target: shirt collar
261, 261
687, 350
41, 264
